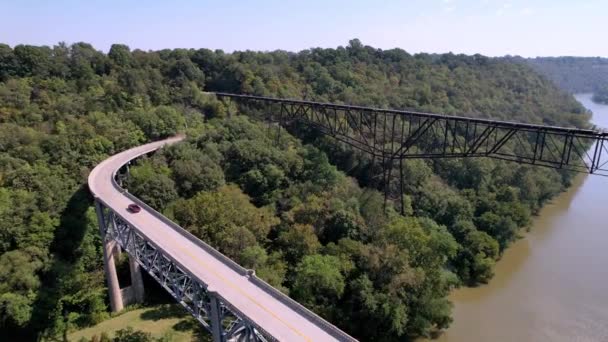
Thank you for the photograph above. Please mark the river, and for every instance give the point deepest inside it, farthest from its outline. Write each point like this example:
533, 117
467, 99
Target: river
551, 285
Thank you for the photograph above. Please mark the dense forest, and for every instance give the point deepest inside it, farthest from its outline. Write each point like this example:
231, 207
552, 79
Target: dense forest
304, 212
575, 74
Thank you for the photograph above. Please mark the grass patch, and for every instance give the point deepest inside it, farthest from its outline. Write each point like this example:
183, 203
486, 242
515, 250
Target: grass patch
170, 321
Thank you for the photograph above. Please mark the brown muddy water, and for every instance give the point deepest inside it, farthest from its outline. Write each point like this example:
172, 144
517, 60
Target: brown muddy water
552, 285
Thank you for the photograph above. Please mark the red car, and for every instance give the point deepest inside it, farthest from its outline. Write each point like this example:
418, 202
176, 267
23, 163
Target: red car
134, 208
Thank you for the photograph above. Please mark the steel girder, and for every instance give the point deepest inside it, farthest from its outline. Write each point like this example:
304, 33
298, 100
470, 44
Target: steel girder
220, 318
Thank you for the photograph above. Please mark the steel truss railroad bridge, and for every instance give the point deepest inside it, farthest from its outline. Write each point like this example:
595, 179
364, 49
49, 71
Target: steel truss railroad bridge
390, 136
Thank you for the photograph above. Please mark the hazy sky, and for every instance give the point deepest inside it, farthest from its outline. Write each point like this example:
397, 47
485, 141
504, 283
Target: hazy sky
490, 27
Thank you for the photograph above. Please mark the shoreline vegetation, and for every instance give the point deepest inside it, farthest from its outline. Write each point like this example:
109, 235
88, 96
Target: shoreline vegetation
522, 265
574, 74
303, 210
600, 95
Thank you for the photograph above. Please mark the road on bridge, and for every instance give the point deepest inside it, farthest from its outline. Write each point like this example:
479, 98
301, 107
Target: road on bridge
282, 320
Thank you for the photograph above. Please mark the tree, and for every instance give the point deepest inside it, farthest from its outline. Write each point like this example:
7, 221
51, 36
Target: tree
380, 310
162, 122
271, 267
298, 241
8, 63
501, 228
318, 282
157, 190
478, 257
192, 176
33, 60
342, 224
18, 284
225, 219
120, 54
130, 335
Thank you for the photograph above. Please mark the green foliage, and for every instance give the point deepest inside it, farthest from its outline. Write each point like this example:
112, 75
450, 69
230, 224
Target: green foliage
130, 335
16, 309
601, 95
193, 170
318, 281
153, 186
120, 54
298, 241
264, 198
225, 219
576, 74
477, 257
162, 122
18, 285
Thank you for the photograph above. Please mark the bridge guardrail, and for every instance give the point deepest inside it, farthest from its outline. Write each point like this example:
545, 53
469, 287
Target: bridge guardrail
301, 309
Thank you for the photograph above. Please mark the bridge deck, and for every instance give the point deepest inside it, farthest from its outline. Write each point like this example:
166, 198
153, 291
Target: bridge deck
277, 317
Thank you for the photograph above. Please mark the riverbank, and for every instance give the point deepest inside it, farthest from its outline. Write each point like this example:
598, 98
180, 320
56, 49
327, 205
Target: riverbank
495, 294
550, 285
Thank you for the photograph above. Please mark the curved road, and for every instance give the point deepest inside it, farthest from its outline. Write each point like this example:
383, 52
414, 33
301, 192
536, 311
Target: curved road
280, 318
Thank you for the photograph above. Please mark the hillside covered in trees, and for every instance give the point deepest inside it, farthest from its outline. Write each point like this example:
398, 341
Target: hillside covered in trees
575, 74
305, 213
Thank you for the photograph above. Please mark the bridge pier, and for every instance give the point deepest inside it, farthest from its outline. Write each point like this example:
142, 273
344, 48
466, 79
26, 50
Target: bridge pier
116, 302
216, 319
109, 251
117, 252
137, 282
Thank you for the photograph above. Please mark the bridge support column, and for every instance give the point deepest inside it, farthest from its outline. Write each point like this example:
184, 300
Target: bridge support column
216, 319
108, 262
117, 252
137, 282
111, 276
